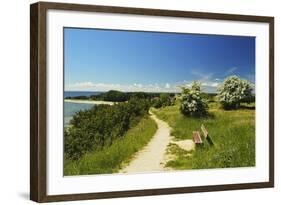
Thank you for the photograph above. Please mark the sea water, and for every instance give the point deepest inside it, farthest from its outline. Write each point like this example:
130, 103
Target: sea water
80, 93
71, 108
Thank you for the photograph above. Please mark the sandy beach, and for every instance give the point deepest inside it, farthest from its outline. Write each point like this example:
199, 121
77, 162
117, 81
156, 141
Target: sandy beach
94, 102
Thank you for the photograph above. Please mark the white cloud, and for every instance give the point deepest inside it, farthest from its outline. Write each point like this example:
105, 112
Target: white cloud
135, 87
138, 85
208, 85
202, 76
82, 85
231, 70
214, 84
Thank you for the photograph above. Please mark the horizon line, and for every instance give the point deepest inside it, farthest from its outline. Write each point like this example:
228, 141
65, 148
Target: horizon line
129, 91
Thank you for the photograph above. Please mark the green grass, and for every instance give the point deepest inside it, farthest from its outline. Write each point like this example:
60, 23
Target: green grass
233, 134
112, 158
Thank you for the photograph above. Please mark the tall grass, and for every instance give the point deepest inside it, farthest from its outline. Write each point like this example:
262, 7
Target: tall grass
111, 158
233, 133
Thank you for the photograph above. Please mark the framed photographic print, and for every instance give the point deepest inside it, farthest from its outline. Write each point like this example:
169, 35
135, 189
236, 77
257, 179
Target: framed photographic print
134, 102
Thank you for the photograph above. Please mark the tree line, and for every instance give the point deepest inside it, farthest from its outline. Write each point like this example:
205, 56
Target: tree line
118, 96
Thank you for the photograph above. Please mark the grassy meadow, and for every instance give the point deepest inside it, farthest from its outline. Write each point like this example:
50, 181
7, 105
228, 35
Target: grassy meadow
232, 131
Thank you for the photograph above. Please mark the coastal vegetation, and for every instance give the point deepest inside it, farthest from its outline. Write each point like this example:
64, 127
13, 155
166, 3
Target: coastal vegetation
104, 138
112, 157
93, 129
118, 96
164, 99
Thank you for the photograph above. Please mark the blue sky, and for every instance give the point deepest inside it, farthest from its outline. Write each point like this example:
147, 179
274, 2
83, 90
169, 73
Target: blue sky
102, 60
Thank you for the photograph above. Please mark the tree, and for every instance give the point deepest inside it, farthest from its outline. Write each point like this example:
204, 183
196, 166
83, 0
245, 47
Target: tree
233, 91
164, 100
192, 104
115, 96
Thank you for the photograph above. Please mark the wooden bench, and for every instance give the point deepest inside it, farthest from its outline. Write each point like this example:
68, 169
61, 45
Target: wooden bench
197, 138
206, 135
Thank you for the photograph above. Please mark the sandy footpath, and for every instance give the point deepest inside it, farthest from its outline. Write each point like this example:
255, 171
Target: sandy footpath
94, 102
152, 157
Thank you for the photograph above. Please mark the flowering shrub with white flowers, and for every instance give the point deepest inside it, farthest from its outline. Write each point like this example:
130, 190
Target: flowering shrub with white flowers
233, 91
192, 104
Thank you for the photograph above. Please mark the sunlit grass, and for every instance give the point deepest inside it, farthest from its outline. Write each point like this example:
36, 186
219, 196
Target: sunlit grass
233, 133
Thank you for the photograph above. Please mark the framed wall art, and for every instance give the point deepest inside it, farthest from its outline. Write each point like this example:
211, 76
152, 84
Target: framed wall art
134, 102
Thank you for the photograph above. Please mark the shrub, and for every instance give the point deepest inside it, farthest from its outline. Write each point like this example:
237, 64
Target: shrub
192, 104
93, 129
234, 91
165, 99
115, 96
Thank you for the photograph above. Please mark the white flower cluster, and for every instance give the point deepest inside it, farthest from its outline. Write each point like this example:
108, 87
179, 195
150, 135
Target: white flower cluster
191, 102
233, 91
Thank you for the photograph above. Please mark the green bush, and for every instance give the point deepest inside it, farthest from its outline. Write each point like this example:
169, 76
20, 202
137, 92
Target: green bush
91, 130
192, 104
115, 96
234, 91
165, 99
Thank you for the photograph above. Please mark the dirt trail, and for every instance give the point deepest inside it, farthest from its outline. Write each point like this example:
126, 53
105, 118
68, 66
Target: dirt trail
153, 156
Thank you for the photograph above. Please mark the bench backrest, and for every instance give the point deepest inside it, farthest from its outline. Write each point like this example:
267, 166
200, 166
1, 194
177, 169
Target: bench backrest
205, 131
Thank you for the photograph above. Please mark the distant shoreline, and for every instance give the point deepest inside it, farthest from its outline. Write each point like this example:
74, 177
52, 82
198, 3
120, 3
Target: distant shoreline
93, 102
